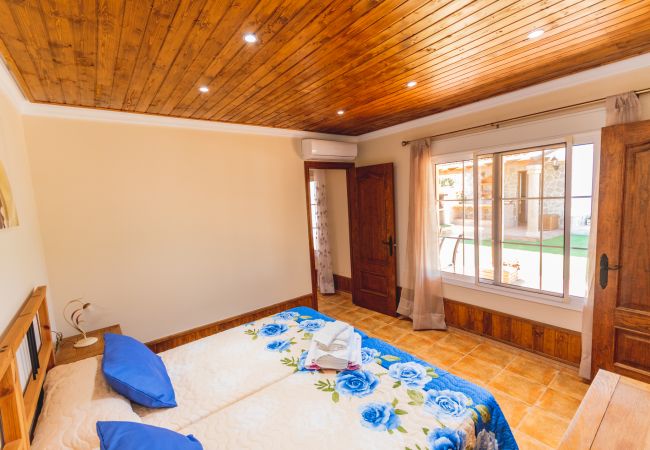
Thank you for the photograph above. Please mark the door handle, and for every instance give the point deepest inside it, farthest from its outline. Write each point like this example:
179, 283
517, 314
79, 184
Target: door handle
390, 244
605, 268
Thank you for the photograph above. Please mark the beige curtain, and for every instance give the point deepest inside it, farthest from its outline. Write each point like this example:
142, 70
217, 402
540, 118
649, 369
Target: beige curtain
592, 260
322, 255
623, 108
620, 109
421, 297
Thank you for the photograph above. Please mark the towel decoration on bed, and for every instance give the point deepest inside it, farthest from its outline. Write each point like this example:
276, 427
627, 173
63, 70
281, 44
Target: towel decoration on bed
136, 372
334, 345
432, 408
115, 435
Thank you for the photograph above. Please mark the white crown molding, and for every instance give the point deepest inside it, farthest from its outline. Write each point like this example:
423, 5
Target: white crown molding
626, 65
105, 115
10, 88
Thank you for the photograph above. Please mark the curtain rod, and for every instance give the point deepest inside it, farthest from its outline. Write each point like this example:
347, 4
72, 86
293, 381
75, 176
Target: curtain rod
525, 116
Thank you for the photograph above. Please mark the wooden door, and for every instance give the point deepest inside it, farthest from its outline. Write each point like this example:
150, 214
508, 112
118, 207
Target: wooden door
374, 255
621, 337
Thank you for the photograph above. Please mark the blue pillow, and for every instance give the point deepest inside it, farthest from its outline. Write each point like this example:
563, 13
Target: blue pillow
138, 436
136, 372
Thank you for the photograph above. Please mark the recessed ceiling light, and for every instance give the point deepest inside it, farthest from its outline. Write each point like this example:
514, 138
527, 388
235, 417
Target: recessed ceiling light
204, 89
340, 112
535, 33
411, 84
250, 38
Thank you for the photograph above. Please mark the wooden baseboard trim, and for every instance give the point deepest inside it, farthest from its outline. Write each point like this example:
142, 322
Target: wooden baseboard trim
553, 342
343, 284
185, 337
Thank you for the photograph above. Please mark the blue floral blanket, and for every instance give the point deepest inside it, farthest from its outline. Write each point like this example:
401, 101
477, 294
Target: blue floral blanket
394, 401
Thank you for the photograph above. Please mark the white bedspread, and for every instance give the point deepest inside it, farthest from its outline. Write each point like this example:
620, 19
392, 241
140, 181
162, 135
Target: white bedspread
214, 372
242, 388
293, 414
76, 397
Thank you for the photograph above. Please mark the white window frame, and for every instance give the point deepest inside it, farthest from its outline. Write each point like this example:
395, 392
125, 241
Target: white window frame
566, 301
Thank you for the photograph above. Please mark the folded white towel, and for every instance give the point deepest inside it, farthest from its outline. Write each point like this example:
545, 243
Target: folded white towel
347, 358
326, 336
341, 342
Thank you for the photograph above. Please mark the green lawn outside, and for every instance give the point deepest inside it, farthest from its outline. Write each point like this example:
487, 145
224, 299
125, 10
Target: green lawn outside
577, 240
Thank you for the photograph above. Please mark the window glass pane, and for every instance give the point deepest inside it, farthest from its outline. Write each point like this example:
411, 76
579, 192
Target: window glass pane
553, 223
578, 273
486, 174
486, 268
451, 255
468, 258
450, 218
468, 223
468, 179
580, 222
520, 221
554, 172
553, 270
520, 265
486, 240
449, 178
582, 164
521, 174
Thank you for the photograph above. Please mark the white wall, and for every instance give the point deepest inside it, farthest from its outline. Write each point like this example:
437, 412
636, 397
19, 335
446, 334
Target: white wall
337, 218
22, 265
385, 146
165, 229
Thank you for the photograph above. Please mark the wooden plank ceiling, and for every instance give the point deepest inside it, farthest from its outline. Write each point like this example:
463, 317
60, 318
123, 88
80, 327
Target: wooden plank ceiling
312, 58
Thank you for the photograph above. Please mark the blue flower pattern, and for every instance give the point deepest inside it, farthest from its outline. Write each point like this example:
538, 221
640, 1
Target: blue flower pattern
356, 383
410, 373
379, 416
450, 403
279, 345
368, 355
287, 315
273, 329
311, 325
447, 439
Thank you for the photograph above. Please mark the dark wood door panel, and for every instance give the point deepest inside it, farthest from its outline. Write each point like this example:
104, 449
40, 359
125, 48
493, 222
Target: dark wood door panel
632, 319
621, 336
632, 352
373, 212
373, 251
634, 291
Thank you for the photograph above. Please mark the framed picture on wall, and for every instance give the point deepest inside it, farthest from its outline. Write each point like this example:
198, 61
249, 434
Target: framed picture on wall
8, 214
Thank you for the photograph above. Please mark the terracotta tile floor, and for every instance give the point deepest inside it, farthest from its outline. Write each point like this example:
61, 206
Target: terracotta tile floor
538, 396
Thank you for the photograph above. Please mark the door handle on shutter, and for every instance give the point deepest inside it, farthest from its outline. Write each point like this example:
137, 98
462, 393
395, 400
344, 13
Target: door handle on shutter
604, 270
390, 244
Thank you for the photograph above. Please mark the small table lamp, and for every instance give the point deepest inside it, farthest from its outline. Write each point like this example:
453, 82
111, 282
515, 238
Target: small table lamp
75, 320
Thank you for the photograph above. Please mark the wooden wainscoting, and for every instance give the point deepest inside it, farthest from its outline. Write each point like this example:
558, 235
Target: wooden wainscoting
554, 342
185, 337
343, 284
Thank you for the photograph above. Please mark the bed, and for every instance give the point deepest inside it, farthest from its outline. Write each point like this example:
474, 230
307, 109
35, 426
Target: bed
247, 388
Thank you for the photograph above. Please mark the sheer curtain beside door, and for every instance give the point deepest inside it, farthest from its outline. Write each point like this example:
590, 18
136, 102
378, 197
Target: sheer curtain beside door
421, 298
320, 231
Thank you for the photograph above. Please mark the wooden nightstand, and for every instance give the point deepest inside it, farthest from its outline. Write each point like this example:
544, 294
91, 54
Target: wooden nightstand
67, 353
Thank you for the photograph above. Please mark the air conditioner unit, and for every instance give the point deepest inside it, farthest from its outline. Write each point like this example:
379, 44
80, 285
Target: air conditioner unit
320, 150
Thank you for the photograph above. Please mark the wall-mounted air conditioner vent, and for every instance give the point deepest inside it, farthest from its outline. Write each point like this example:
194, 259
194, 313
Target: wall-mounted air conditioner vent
320, 150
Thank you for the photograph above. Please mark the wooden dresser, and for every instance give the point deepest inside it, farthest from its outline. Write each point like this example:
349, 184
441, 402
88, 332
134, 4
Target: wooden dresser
613, 415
